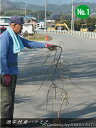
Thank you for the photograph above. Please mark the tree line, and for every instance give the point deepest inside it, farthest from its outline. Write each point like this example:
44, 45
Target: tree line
61, 18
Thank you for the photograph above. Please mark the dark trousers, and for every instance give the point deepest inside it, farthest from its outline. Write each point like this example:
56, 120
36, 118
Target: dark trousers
7, 98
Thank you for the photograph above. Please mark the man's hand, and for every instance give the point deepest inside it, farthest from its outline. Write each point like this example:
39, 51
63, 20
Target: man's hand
51, 47
7, 79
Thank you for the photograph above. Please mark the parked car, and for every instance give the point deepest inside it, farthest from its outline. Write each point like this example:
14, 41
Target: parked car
2, 29
4, 23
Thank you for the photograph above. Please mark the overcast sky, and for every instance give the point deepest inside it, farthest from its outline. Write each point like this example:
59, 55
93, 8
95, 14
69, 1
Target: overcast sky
60, 2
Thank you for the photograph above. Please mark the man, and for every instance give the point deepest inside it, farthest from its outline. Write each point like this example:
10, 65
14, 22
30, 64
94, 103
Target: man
10, 45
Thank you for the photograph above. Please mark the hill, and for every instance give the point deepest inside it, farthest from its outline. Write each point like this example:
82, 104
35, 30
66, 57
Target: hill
65, 8
57, 2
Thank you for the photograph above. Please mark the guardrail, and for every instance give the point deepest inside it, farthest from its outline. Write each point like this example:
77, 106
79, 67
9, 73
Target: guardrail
76, 33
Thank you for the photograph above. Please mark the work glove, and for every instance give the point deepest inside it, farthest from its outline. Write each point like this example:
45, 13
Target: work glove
7, 79
51, 47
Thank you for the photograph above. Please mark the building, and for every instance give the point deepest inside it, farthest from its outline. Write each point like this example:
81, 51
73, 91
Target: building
40, 25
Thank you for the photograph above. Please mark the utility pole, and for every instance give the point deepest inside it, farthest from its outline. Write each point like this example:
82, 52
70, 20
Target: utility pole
45, 13
45, 20
38, 15
72, 17
26, 9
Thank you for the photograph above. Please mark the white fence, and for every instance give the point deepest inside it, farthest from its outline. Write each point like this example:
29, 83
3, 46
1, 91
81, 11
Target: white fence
76, 33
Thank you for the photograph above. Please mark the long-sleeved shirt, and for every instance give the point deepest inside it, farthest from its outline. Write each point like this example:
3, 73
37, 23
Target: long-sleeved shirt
9, 60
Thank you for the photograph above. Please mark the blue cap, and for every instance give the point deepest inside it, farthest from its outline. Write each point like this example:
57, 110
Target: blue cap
17, 19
